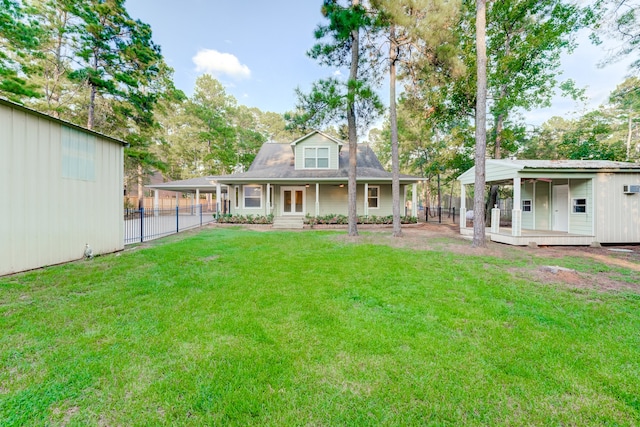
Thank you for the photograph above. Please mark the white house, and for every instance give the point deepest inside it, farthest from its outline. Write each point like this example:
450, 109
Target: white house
63, 190
306, 177
564, 202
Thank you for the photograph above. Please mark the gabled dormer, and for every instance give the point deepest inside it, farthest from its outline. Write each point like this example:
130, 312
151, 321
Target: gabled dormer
316, 151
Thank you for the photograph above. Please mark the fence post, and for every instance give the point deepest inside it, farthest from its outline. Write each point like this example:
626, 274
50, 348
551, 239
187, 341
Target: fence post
141, 224
439, 214
454, 214
177, 220
200, 207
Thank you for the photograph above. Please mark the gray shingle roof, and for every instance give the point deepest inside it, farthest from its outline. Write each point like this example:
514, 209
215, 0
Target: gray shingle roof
276, 162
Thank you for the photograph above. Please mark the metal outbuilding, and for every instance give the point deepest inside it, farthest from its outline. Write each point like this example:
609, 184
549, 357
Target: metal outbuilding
62, 190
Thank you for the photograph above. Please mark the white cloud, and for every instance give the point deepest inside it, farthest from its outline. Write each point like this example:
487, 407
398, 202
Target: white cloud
218, 64
337, 73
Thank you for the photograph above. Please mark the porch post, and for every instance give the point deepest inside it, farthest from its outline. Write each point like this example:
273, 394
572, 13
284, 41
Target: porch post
317, 199
267, 203
516, 213
404, 201
218, 192
463, 206
414, 199
366, 199
177, 199
197, 200
156, 202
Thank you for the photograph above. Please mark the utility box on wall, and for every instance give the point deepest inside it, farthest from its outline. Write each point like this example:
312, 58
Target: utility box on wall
631, 189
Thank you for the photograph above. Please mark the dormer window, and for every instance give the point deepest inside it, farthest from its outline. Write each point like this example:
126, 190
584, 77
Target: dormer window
316, 157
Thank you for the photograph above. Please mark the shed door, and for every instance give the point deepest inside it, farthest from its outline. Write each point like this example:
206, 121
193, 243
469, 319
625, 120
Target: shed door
560, 207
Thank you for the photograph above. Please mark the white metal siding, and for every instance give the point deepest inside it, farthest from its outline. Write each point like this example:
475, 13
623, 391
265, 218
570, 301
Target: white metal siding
617, 214
47, 219
316, 140
581, 223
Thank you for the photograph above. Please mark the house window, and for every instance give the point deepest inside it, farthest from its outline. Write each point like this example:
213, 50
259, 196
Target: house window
526, 205
373, 196
252, 196
316, 157
237, 192
579, 205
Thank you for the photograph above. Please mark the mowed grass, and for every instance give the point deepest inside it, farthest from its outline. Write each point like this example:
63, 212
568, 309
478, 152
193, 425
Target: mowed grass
234, 327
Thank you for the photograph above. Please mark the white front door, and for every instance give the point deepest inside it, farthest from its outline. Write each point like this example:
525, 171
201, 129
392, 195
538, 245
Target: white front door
560, 207
293, 200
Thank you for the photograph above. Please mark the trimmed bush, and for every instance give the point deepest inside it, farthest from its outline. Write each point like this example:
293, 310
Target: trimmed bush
342, 219
248, 219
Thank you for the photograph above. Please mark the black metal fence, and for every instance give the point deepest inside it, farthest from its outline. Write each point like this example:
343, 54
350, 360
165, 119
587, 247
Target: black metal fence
141, 225
439, 214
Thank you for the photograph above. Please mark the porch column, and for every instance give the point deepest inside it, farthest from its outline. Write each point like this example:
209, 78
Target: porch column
218, 193
463, 206
516, 213
414, 200
267, 203
317, 199
404, 201
366, 199
197, 197
156, 202
177, 199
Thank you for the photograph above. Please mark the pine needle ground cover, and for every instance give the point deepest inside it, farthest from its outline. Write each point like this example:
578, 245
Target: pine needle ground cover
235, 327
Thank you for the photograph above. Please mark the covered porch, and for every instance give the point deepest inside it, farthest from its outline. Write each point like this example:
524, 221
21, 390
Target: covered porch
552, 205
533, 237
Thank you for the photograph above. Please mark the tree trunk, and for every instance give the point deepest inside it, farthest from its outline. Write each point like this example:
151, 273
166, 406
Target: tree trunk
629, 137
493, 193
393, 123
92, 95
479, 240
353, 132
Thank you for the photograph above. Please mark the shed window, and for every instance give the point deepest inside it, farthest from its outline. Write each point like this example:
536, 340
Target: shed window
579, 205
78, 155
373, 197
252, 196
526, 205
316, 157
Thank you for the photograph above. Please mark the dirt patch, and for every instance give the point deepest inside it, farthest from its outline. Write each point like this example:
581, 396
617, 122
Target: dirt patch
445, 237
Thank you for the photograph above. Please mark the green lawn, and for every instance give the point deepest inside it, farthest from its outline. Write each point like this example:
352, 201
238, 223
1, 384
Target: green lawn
234, 327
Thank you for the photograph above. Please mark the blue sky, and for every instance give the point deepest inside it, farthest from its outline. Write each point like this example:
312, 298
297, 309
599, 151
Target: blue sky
257, 50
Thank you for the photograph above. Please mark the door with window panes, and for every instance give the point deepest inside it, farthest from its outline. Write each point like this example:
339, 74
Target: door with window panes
293, 200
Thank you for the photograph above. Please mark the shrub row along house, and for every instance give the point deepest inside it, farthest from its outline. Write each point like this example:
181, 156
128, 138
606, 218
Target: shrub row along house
63, 190
307, 177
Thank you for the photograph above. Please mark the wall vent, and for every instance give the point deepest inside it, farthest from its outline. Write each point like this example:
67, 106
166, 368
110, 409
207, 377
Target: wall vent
631, 189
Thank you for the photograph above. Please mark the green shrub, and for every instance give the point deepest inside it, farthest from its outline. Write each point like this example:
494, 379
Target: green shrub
248, 219
342, 219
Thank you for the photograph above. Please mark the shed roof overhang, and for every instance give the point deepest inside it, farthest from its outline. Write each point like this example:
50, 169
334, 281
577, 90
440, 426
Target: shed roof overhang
505, 171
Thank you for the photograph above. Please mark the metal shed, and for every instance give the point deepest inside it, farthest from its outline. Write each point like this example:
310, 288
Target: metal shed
63, 190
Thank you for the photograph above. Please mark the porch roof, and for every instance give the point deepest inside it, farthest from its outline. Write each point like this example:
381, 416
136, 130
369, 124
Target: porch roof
505, 170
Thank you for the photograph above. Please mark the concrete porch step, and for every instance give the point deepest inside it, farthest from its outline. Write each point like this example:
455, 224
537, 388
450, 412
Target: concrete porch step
288, 222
